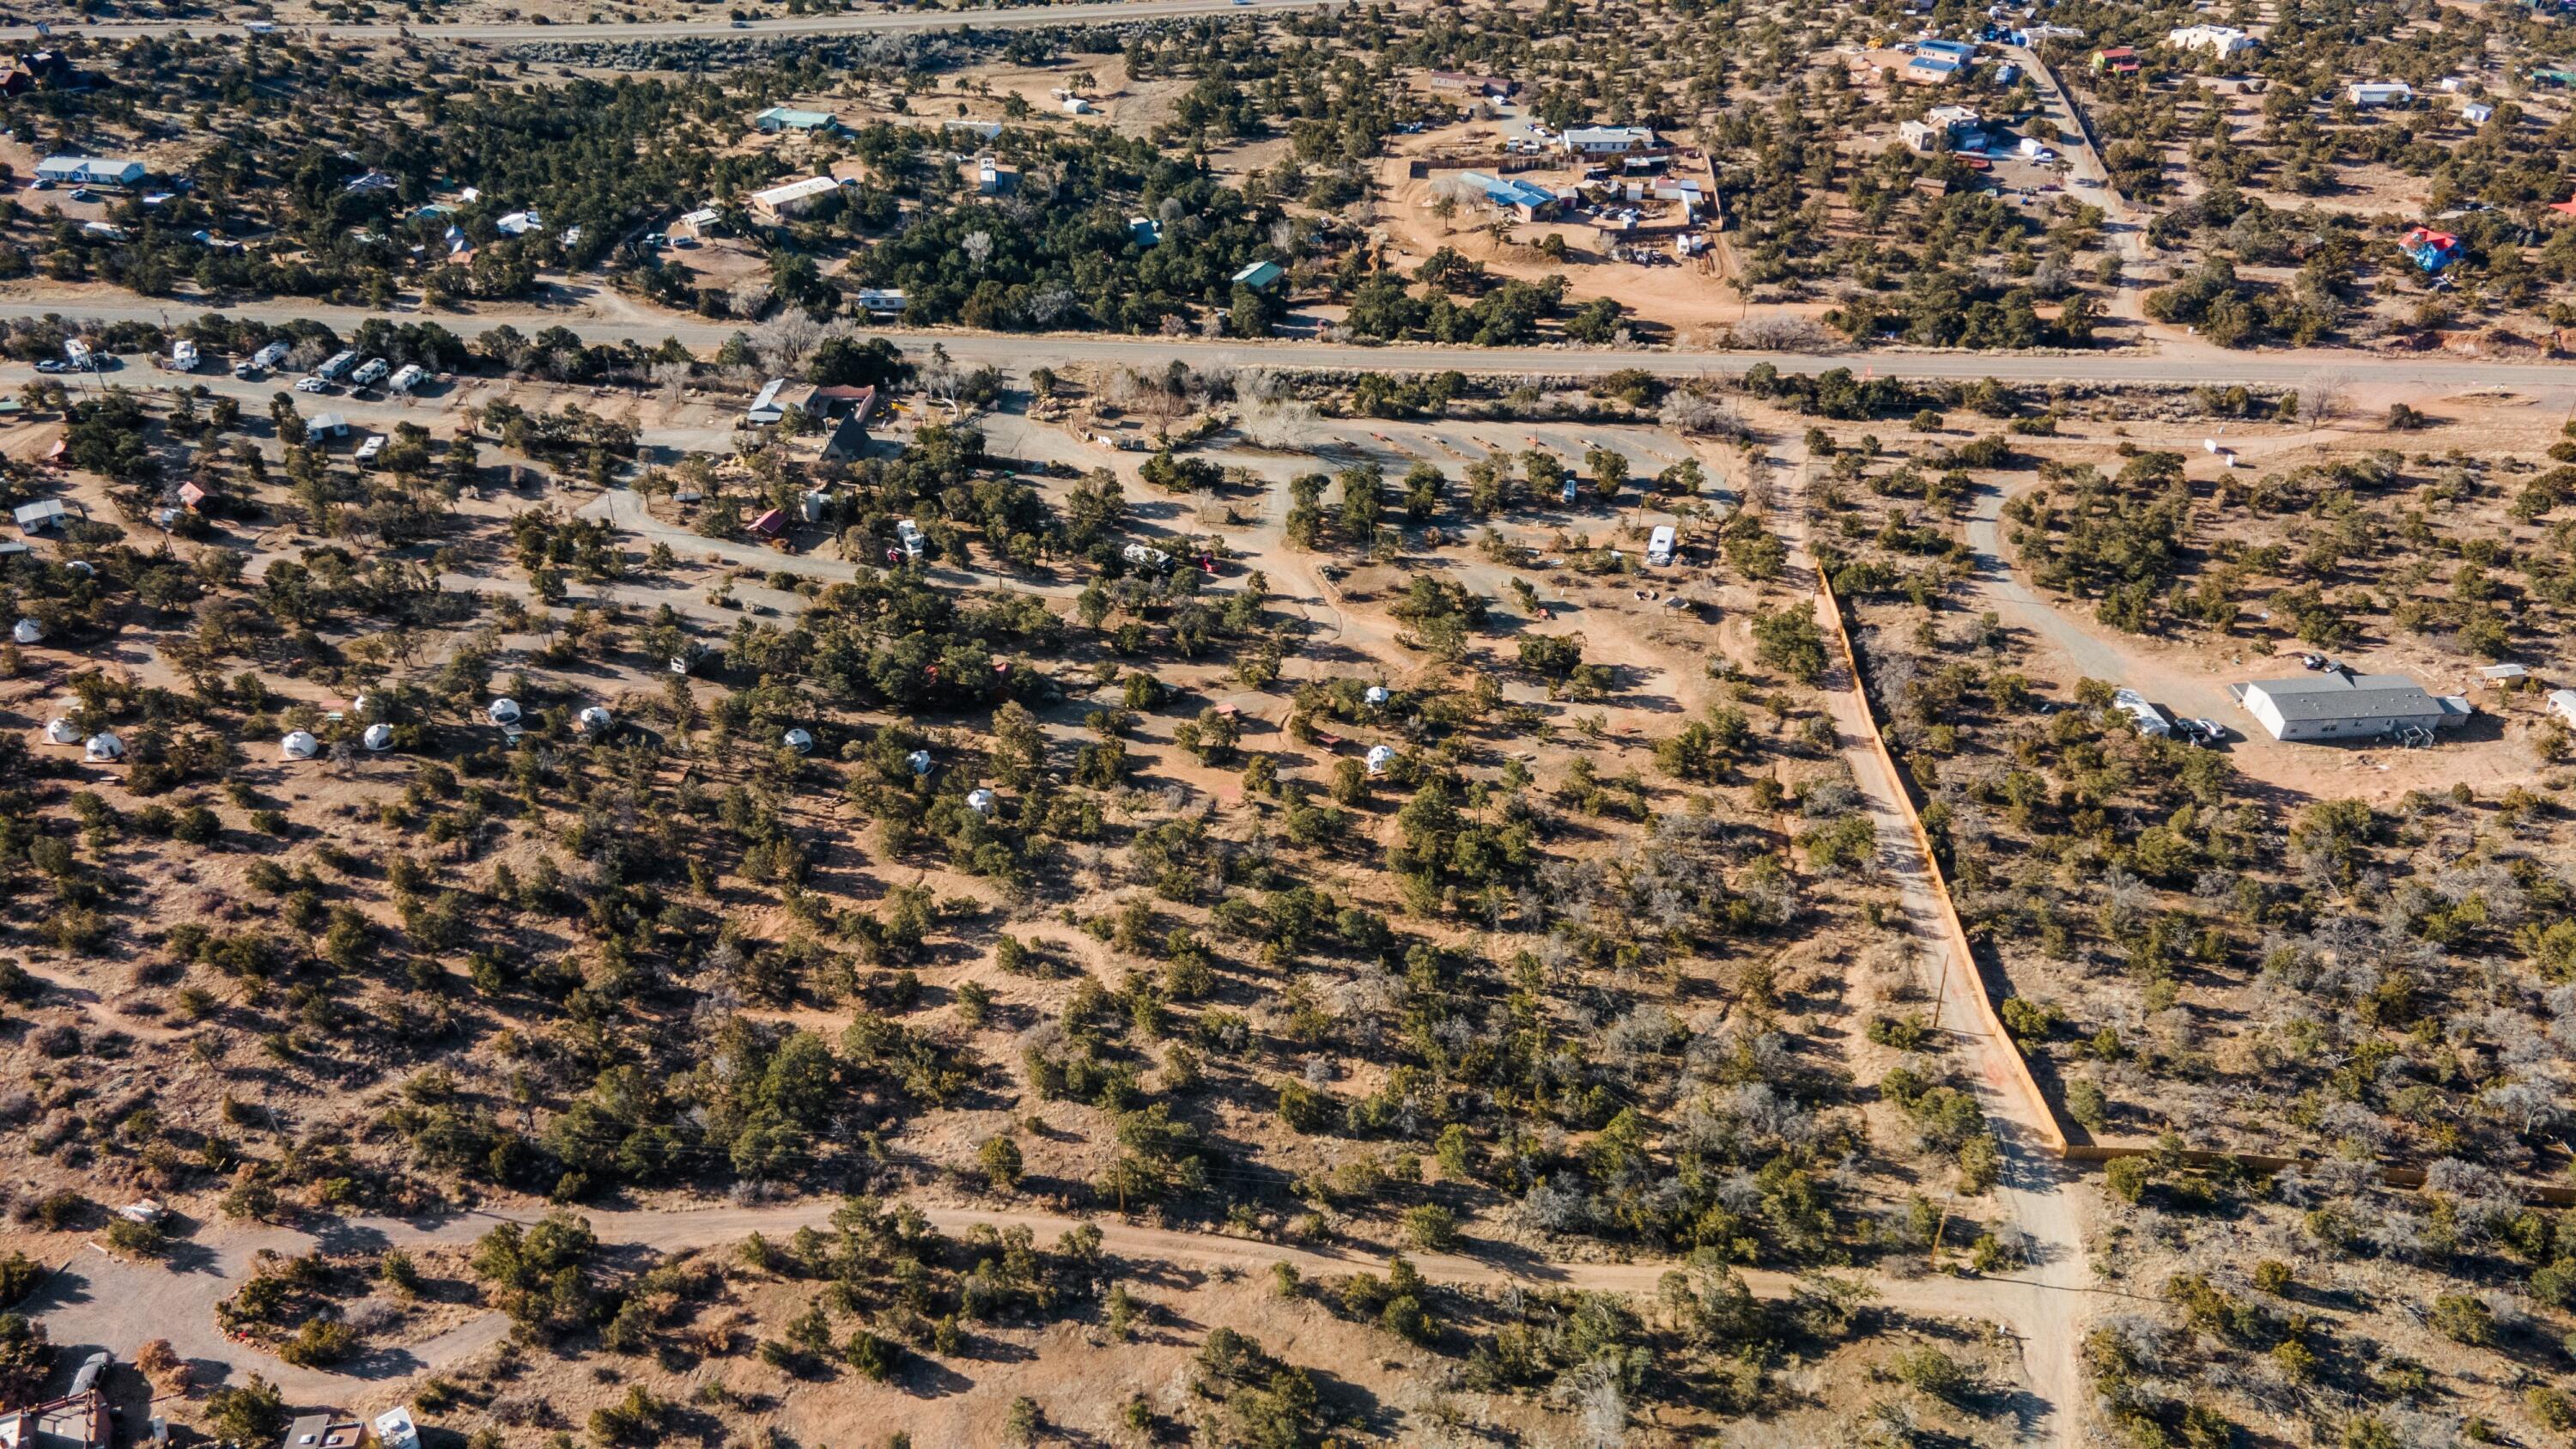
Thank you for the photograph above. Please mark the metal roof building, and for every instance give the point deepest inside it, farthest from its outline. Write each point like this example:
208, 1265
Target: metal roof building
2337, 704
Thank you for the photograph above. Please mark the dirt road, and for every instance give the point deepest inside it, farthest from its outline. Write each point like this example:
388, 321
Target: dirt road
2046, 1300
115, 1304
1019, 17
1018, 353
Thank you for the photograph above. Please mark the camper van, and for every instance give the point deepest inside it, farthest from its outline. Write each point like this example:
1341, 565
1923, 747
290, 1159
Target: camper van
183, 356
371, 374
1659, 546
368, 450
337, 365
409, 376
908, 533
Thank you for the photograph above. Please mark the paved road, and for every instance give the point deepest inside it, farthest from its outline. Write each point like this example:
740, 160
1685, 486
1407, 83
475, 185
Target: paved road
1017, 353
116, 1304
1020, 17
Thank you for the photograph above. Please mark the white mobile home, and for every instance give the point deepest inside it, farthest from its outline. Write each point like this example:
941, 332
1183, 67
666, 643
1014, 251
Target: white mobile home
2337, 704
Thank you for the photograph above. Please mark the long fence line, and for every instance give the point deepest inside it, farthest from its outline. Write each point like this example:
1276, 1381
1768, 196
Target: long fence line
1955, 932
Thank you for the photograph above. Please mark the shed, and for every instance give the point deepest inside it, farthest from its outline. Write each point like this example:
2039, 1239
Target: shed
2337, 704
770, 524
2562, 703
43, 514
395, 1430
2501, 675
793, 199
1260, 276
766, 409
327, 425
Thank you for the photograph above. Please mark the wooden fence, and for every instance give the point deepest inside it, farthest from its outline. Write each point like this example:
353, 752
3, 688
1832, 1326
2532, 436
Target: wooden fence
1954, 932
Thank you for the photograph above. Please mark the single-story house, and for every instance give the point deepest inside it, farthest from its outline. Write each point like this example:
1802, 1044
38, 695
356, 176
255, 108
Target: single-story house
703, 222
808, 123
2380, 93
793, 199
1932, 69
79, 1421
2337, 704
1958, 50
2115, 60
1921, 137
89, 171
1260, 276
326, 426
518, 223
321, 1431
1607, 140
1527, 201
2223, 41
2428, 249
767, 409
2477, 113
839, 400
38, 516
2499, 676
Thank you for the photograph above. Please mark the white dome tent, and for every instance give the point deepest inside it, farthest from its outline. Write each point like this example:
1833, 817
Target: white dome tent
919, 760
799, 740
63, 732
300, 745
379, 737
105, 746
595, 721
504, 711
358, 706
980, 800
28, 632
1376, 696
1378, 756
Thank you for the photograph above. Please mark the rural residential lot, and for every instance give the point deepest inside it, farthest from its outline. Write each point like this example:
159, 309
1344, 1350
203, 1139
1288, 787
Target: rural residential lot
1287, 724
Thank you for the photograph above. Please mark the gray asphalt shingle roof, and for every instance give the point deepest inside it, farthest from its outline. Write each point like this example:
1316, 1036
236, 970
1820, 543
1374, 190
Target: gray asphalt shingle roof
2334, 695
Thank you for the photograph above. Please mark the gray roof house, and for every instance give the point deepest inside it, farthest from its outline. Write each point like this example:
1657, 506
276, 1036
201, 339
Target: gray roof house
2338, 704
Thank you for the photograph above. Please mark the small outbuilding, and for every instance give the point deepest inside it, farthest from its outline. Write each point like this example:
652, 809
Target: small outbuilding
2562, 703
